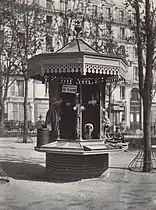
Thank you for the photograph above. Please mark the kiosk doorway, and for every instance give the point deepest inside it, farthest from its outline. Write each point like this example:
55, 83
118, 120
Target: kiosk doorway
68, 116
91, 114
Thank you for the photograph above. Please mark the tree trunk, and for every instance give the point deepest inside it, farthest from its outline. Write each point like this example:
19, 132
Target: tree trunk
65, 34
25, 128
1, 104
148, 85
2, 127
140, 111
147, 162
109, 101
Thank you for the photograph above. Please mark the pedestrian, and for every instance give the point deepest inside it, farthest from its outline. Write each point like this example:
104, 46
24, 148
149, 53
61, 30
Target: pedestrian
117, 135
123, 126
106, 124
52, 121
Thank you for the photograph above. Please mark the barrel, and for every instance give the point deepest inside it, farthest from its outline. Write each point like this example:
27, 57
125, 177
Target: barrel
42, 136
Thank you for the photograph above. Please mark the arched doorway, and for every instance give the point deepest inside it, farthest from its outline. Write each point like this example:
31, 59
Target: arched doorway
135, 109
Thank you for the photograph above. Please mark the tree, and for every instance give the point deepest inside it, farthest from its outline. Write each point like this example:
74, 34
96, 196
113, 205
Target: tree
8, 56
64, 20
96, 29
29, 27
143, 26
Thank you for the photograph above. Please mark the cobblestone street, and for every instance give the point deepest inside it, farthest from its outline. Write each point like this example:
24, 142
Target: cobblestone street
117, 189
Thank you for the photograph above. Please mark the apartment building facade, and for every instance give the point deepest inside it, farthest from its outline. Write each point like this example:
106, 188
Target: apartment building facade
125, 99
37, 100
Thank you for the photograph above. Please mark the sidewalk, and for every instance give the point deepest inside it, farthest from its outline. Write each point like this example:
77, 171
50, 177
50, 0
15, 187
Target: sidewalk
117, 189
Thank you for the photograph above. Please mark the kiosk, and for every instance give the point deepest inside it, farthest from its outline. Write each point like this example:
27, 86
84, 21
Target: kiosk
76, 76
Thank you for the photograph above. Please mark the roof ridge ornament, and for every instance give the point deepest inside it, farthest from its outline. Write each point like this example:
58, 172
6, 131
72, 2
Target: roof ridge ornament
78, 28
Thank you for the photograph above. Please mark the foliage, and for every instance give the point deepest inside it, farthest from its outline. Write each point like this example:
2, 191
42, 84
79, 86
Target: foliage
144, 29
17, 126
29, 28
96, 29
8, 55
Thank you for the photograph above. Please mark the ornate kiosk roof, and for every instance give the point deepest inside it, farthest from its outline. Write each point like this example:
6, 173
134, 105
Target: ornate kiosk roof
76, 59
78, 63
77, 45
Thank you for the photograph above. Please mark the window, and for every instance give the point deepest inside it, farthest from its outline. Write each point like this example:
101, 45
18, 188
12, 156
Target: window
122, 92
35, 1
122, 33
94, 9
1, 36
21, 112
122, 50
61, 5
49, 4
131, 117
121, 15
135, 73
133, 17
48, 40
108, 12
15, 111
138, 117
135, 52
49, 19
49, 44
21, 38
12, 89
20, 88
134, 94
108, 30
81, 6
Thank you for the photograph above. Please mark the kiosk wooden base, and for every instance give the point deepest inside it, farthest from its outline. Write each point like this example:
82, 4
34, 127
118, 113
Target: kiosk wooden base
75, 160
64, 167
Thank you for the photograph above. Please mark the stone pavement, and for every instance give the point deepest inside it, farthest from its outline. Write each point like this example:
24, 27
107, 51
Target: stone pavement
116, 189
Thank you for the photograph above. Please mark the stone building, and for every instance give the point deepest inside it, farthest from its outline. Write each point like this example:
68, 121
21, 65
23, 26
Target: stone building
125, 99
37, 101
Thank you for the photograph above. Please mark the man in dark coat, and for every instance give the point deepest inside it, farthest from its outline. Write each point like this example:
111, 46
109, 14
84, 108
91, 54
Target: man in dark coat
52, 121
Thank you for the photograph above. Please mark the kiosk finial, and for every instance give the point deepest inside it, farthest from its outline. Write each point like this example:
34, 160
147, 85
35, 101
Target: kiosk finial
77, 28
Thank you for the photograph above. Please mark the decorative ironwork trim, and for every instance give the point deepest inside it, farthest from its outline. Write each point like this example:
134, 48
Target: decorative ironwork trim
78, 68
102, 69
62, 68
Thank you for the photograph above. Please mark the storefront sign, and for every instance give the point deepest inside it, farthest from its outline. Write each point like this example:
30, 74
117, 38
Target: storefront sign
69, 88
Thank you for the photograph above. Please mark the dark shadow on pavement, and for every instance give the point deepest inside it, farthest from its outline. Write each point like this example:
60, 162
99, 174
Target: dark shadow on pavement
28, 171
24, 171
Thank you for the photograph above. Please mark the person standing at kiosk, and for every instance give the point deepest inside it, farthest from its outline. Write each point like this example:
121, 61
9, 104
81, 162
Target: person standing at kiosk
52, 121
